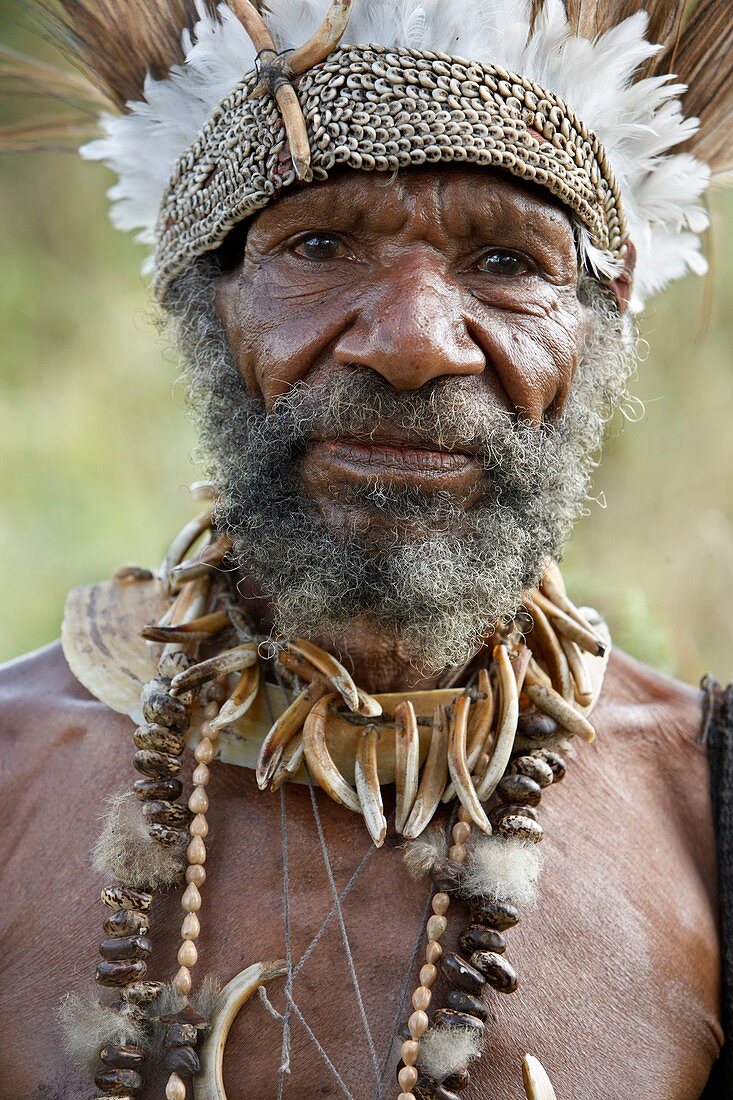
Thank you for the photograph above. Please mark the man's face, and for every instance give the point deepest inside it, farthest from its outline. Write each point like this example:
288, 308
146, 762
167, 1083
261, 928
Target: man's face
455, 273
401, 395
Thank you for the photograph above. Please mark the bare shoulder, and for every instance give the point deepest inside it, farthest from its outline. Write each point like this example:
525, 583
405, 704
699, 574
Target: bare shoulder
651, 709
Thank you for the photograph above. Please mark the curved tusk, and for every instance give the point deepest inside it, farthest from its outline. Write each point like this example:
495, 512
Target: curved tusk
193, 631
366, 773
537, 1084
579, 672
407, 762
506, 725
240, 700
480, 718
254, 24
183, 542
548, 701
292, 758
284, 730
329, 667
319, 759
209, 1083
232, 660
458, 764
433, 779
554, 659
572, 626
326, 38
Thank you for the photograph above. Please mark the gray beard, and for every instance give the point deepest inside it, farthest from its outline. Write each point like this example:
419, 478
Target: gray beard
438, 576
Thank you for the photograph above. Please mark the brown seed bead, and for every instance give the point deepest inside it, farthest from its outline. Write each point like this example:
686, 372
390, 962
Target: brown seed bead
425, 1088
171, 664
448, 1017
421, 998
406, 1096
196, 874
520, 789
156, 764
407, 1078
175, 1088
433, 952
536, 726
500, 974
554, 760
521, 828
446, 876
459, 1080
116, 1082
191, 927
126, 897
182, 981
428, 974
165, 835
461, 1001
188, 954
198, 802
535, 768
121, 972
181, 1035
191, 900
201, 775
494, 914
183, 1060
151, 736
199, 826
167, 789
461, 832
457, 853
127, 922
163, 710
204, 751
196, 851
213, 692
436, 926
440, 903
418, 1024
460, 973
142, 993
123, 1057
499, 812
409, 1051
478, 938
167, 813
131, 947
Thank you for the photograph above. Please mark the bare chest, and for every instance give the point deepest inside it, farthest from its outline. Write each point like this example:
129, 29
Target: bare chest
618, 962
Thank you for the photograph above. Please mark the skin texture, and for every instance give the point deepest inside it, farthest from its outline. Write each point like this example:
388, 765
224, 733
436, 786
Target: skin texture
452, 273
618, 963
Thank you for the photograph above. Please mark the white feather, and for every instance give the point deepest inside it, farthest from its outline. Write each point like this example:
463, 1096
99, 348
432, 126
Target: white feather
639, 123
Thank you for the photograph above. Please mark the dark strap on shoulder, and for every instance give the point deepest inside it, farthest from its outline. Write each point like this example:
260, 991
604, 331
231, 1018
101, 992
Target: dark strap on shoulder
717, 733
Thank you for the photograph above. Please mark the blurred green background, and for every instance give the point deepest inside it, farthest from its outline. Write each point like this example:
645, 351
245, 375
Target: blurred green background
95, 446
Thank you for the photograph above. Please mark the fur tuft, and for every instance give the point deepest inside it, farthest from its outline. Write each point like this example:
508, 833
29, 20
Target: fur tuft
423, 854
126, 851
169, 1001
502, 869
446, 1050
87, 1026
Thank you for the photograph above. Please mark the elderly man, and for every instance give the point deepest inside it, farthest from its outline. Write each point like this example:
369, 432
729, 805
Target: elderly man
361, 652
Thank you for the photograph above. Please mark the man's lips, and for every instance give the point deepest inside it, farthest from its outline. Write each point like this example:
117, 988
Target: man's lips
393, 461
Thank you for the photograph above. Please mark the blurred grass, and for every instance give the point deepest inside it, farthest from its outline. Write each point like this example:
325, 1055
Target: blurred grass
95, 446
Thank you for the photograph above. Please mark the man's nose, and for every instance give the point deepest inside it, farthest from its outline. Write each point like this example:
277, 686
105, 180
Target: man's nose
412, 328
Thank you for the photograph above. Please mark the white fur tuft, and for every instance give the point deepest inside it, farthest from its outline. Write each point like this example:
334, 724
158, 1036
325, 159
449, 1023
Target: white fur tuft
446, 1050
638, 123
87, 1026
502, 869
126, 851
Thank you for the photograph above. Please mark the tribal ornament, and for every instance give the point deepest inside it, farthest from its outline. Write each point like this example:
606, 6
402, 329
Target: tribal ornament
493, 742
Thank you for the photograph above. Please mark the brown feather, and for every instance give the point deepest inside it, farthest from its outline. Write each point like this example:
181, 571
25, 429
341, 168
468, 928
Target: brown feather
704, 61
117, 42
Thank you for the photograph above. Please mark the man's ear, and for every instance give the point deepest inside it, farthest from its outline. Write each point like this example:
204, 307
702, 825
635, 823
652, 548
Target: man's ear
623, 283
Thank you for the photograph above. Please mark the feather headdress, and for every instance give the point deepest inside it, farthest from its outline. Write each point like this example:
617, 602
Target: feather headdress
165, 66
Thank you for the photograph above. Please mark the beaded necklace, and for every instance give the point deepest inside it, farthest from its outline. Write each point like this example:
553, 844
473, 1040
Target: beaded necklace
490, 734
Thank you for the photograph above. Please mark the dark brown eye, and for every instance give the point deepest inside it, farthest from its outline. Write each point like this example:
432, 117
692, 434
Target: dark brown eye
320, 246
506, 265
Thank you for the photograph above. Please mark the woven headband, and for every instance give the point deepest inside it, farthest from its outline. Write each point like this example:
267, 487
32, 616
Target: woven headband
379, 109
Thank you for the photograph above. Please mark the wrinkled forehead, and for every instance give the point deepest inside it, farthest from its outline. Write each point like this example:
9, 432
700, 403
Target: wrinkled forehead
450, 202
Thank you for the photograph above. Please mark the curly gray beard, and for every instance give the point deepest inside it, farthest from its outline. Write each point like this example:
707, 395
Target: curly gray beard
438, 575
